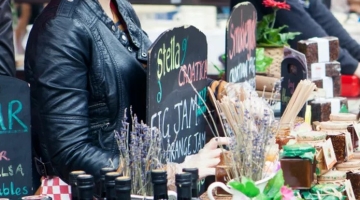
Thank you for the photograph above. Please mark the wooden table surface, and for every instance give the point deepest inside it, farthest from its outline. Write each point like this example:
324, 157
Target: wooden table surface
205, 197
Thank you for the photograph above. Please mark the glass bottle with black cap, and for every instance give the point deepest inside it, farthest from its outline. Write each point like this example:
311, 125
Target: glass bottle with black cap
110, 185
102, 187
183, 186
123, 188
194, 181
85, 186
72, 182
159, 181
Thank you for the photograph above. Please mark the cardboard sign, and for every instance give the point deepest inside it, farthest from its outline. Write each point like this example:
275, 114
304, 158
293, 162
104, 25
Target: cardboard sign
329, 154
349, 190
177, 90
293, 71
241, 44
15, 139
349, 146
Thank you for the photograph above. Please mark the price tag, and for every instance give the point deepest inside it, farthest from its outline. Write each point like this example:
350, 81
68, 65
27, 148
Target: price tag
349, 190
329, 154
349, 146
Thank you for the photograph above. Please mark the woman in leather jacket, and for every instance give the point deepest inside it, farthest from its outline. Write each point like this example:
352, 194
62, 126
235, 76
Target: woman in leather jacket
84, 70
7, 59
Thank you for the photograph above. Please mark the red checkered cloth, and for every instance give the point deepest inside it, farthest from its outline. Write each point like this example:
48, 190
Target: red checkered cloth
55, 188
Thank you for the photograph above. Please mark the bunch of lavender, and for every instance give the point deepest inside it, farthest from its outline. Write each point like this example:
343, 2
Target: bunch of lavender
247, 119
141, 151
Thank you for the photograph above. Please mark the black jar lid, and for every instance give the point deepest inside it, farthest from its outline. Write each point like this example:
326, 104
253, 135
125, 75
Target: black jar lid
73, 176
193, 171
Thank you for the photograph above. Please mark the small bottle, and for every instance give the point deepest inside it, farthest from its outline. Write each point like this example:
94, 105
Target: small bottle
110, 185
102, 187
194, 181
85, 186
183, 186
123, 188
72, 182
159, 181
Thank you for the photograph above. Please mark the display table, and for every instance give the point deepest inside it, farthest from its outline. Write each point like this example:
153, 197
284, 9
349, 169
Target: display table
205, 197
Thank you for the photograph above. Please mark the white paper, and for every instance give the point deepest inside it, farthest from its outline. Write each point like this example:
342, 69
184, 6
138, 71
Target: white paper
328, 85
318, 70
335, 105
323, 49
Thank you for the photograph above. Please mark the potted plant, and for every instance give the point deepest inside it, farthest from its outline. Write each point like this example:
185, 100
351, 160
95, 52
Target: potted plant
272, 38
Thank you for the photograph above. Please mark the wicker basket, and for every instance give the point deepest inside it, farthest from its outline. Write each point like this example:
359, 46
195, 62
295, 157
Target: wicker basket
277, 54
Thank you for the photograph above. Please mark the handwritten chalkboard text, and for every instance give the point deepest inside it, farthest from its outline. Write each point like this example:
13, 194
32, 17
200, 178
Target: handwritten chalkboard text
3, 156
242, 71
14, 108
183, 146
6, 190
243, 37
168, 58
192, 72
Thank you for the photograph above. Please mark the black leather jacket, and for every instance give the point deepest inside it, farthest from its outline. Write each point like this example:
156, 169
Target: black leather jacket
7, 60
83, 73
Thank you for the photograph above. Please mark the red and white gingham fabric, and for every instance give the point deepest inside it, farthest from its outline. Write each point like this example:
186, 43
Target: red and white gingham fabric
55, 188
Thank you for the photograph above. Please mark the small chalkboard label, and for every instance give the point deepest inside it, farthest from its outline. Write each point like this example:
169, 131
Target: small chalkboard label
241, 44
177, 63
292, 71
15, 139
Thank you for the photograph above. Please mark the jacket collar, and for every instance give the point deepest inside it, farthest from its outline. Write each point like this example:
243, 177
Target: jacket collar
134, 30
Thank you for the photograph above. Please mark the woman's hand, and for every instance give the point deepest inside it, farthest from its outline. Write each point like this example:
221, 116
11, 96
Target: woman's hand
207, 158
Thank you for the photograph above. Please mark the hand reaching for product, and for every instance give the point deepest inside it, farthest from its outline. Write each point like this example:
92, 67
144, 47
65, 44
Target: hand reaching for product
207, 158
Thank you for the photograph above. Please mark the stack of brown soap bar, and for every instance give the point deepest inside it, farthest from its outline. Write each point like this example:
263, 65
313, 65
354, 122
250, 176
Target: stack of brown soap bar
320, 110
311, 50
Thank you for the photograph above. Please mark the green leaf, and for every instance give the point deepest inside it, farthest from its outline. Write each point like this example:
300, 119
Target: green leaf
261, 196
274, 185
262, 61
246, 186
278, 196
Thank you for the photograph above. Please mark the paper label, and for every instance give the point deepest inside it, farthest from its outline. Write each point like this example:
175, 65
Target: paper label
335, 106
318, 70
329, 154
323, 49
349, 146
357, 129
328, 85
349, 190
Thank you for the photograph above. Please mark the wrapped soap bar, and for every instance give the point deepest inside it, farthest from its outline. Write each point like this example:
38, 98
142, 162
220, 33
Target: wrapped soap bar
350, 165
354, 178
298, 165
318, 82
321, 167
320, 110
313, 137
333, 126
343, 117
354, 136
320, 70
332, 177
337, 86
319, 50
339, 143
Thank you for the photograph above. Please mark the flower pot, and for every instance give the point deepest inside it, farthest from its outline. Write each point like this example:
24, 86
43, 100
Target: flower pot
277, 54
172, 196
237, 195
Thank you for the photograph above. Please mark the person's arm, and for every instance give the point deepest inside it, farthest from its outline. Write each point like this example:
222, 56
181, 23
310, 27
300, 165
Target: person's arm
7, 58
331, 25
299, 20
56, 67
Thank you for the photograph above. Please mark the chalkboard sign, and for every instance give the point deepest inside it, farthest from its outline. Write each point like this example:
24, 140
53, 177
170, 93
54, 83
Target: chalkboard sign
241, 44
177, 63
293, 71
15, 139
